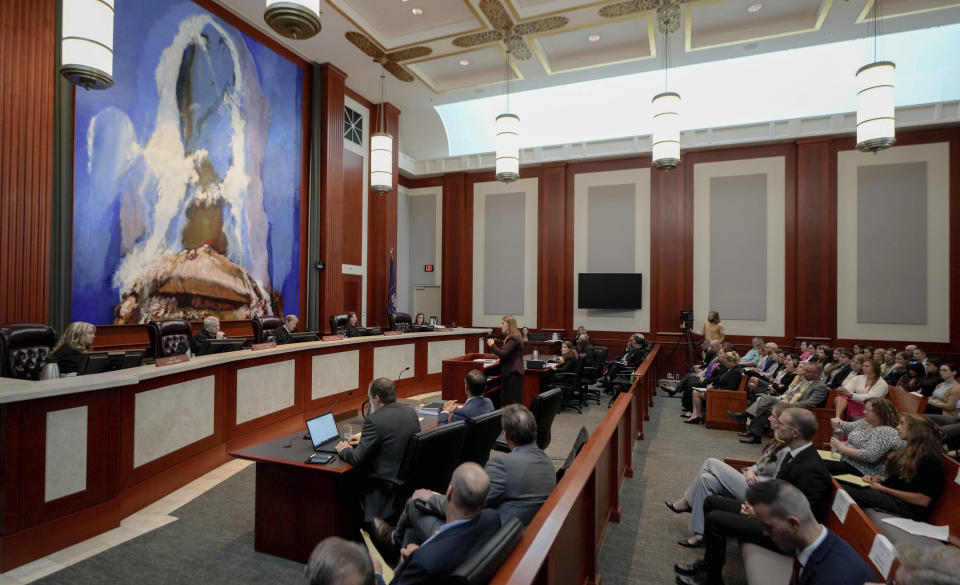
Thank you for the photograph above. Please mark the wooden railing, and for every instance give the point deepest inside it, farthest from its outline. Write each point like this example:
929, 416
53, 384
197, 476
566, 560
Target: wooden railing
562, 543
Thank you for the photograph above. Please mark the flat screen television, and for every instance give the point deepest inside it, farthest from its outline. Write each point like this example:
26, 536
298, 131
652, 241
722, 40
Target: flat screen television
609, 290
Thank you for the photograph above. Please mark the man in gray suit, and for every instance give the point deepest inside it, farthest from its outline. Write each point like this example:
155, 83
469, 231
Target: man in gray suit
809, 392
520, 482
383, 440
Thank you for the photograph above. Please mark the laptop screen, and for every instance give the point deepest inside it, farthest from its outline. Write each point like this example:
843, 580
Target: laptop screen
322, 429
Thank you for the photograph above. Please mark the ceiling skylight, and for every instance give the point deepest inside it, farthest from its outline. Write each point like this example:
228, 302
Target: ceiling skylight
809, 81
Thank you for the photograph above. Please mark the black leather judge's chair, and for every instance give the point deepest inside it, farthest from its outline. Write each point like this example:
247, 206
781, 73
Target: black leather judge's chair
402, 319
23, 349
486, 560
337, 322
482, 431
263, 328
169, 337
544, 408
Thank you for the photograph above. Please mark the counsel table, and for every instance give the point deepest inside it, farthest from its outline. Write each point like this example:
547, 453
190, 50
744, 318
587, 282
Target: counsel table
80, 454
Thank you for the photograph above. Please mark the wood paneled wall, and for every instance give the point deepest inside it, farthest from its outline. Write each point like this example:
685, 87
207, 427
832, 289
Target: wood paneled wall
810, 225
27, 57
331, 192
382, 225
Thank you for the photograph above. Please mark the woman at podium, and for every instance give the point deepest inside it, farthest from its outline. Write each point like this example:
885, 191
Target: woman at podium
511, 361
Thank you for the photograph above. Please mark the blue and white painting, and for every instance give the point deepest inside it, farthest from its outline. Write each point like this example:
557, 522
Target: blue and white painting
187, 173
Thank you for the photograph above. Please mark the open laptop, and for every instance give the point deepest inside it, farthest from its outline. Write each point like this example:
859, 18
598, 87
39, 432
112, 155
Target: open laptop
324, 433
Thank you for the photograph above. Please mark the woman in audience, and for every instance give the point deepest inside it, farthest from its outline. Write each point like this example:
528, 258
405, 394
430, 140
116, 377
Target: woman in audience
910, 380
879, 355
914, 476
889, 358
713, 327
931, 379
717, 478
76, 339
761, 383
898, 369
869, 439
851, 397
825, 357
943, 399
352, 329
859, 348
728, 380
786, 375
805, 350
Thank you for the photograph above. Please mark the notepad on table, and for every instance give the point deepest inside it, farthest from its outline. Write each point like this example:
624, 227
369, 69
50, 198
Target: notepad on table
828, 455
851, 479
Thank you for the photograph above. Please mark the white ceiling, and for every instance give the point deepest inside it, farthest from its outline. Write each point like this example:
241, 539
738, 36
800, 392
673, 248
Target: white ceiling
709, 30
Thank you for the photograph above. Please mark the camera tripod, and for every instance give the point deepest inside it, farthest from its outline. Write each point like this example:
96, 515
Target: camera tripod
686, 337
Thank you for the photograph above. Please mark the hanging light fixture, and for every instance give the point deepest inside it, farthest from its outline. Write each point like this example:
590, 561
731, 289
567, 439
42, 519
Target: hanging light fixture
86, 43
381, 149
294, 19
875, 92
507, 137
666, 105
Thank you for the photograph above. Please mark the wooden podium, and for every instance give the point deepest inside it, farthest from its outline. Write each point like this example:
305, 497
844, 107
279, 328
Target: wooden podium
455, 370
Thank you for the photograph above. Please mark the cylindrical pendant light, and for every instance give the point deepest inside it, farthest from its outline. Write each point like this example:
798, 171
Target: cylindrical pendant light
87, 43
381, 162
666, 131
294, 19
508, 147
875, 109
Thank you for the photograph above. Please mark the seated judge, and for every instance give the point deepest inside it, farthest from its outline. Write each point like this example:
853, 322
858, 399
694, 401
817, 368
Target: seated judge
383, 439
352, 329
76, 339
520, 482
469, 525
476, 404
282, 333
419, 320
211, 330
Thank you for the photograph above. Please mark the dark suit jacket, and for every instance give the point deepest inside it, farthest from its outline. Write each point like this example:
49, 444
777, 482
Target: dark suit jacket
198, 344
727, 379
382, 443
520, 482
835, 562
67, 358
838, 376
474, 406
808, 473
437, 559
511, 356
281, 335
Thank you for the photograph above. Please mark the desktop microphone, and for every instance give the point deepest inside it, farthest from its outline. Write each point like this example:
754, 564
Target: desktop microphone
401, 373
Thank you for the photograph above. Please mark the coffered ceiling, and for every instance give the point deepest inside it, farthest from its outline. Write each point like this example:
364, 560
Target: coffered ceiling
455, 50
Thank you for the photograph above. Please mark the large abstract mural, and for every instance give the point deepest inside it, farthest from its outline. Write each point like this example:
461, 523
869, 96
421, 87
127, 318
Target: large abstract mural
187, 173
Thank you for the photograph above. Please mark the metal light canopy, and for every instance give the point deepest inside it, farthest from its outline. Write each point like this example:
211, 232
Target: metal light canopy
294, 19
86, 43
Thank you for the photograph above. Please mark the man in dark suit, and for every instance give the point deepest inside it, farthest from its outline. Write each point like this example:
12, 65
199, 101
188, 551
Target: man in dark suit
520, 482
475, 405
282, 333
383, 440
809, 392
469, 525
629, 361
211, 330
729, 518
820, 556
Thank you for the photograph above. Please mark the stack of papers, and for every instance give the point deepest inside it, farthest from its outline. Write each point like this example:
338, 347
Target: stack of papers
851, 479
920, 528
828, 455
431, 409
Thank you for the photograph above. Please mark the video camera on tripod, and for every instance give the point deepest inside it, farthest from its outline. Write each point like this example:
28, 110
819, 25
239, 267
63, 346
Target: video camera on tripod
686, 319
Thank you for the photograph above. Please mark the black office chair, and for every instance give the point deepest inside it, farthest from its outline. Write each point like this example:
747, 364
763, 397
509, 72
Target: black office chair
263, 328
481, 433
582, 437
592, 371
24, 348
569, 383
544, 408
428, 462
338, 323
482, 565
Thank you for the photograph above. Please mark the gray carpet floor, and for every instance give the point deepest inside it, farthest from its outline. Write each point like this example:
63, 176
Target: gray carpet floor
212, 540
642, 548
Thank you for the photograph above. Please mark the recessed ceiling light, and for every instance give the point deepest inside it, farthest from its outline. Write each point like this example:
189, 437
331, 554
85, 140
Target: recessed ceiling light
464, 62
593, 38
755, 7
417, 11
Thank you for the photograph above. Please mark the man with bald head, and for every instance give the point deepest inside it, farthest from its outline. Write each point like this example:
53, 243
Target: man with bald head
469, 525
733, 518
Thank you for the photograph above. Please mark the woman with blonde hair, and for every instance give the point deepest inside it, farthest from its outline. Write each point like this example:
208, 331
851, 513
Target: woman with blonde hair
76, 339
854, 392
511, 361
914, 476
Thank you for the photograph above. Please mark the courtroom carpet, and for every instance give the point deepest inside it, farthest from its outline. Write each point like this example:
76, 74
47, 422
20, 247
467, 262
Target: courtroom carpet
211, 540
642, 548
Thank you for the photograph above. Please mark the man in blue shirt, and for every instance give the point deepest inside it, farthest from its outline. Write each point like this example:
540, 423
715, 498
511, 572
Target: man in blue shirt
475, 405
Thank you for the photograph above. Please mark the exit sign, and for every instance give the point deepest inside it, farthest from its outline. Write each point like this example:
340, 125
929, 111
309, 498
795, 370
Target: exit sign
428, 267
